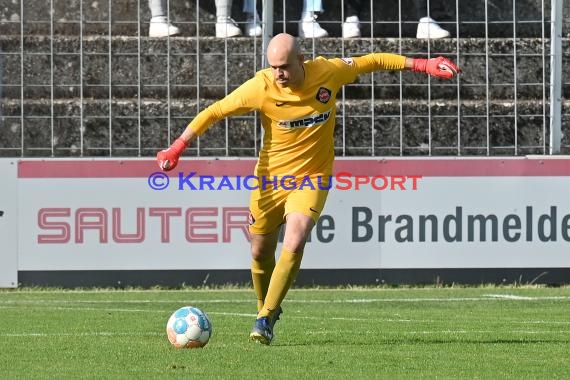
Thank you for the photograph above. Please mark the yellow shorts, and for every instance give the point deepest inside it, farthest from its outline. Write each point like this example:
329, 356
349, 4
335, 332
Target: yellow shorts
268, 206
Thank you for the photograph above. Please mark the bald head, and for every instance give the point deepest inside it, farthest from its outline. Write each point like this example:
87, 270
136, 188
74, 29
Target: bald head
282, 44
286, 60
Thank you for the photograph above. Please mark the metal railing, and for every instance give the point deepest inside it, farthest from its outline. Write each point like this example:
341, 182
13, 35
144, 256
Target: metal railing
85, 80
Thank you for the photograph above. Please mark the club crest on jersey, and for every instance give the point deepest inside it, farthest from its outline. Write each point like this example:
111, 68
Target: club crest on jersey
323, 95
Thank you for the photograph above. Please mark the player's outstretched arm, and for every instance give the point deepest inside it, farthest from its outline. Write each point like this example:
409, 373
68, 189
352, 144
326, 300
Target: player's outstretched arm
167, 159
243, 99
440, 67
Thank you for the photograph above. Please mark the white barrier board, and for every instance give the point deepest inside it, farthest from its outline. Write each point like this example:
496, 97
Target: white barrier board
395, 213
8, 224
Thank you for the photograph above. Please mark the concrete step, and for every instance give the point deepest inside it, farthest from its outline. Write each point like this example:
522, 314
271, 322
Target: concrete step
371, 128
195, 67
127, 17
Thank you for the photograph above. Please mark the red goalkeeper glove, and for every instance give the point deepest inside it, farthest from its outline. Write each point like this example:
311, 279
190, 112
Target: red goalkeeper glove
440, 67
168, 158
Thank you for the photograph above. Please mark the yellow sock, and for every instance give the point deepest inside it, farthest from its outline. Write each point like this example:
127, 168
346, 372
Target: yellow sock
283, 275
261, 271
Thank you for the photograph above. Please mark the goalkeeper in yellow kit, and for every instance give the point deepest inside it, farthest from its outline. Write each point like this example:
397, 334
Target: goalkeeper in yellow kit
296, 100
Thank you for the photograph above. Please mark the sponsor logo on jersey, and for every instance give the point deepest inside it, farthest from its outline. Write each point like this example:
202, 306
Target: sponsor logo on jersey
348, 61
323, 95
309, 121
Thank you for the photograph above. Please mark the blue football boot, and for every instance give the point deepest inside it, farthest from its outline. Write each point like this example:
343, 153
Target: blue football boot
262, 331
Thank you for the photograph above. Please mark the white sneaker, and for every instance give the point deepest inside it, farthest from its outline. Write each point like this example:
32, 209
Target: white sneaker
351, 27
227, 28
253, 26
429, 28
310, 28
159, 27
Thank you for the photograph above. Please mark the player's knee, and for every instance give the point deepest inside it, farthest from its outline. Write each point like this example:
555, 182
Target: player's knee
295, 242
294, 246
263, 246
260, 254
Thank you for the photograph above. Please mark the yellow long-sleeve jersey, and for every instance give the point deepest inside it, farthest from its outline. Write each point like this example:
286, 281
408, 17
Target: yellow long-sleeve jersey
298, 125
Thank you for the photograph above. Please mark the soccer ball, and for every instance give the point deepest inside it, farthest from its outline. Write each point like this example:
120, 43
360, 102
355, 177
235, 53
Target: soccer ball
188, 327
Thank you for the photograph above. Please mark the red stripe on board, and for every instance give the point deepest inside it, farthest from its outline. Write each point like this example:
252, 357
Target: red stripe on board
427, 167
460, 167
128, 168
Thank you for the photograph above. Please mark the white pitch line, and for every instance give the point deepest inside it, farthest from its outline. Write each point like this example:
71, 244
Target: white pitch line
38, 301
289, 316
313, 332
78, 334
247, 315
542, 322
230, 314
525, 298
508, 296
487, 297
22, 291
482, 332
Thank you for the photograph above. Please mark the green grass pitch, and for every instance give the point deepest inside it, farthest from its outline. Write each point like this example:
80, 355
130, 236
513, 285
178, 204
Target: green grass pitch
403, 333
